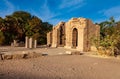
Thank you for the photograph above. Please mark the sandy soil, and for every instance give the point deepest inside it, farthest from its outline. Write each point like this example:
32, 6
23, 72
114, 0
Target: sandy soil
57, 65
61, 67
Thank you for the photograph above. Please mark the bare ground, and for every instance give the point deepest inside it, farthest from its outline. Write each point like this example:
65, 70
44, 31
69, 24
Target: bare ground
61, 67
57, 65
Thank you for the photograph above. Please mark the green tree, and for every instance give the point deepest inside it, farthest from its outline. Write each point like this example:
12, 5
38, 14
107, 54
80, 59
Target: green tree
21, 24
109, 39
33, 27
45, 28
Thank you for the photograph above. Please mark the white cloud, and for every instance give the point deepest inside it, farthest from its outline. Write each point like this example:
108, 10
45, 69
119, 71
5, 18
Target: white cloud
99, 20
56, 21
114, 11
47, 15
70, 3
10, 8
45, 12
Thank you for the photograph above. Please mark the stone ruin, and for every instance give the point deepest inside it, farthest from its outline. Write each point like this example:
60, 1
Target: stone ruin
76, 33
15, 43
30, 42
20, 55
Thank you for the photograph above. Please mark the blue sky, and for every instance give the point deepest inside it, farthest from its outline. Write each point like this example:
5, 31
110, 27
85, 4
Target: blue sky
54, 11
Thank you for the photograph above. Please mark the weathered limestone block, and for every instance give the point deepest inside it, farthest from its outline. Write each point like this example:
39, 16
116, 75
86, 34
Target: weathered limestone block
7, 56
73, 53
68, 52
76, 53
32, 55
18, 56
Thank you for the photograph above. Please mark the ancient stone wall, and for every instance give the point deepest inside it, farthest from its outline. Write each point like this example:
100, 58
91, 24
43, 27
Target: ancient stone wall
80, 25
93, 33
76, 33
58, 35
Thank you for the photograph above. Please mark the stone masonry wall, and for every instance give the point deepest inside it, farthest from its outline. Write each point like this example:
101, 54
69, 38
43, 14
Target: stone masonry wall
85, 30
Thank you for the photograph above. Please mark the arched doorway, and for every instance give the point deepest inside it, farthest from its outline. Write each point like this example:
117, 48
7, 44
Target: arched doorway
75, 38
61, 42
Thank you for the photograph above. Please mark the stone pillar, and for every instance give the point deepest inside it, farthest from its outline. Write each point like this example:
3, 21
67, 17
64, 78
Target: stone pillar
30, 42
35, 43
26, 42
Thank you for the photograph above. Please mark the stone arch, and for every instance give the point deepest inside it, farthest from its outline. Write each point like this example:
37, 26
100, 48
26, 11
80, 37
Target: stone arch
61, 36
74, 37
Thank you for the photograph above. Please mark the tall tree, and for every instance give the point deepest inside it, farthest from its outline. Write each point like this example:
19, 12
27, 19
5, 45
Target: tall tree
33, 27
21, 24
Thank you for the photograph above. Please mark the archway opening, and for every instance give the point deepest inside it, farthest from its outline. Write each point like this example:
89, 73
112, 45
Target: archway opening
61, 36
75, 38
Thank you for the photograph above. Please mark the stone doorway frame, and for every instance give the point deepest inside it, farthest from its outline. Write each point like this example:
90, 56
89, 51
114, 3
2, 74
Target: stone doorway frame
61, 36
74, 38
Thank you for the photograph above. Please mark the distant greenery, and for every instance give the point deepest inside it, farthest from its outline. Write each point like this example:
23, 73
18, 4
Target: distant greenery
109, 42
20, 24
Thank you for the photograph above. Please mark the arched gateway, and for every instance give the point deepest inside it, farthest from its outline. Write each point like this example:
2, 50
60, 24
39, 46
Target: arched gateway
61, 36
75, 38
76, 33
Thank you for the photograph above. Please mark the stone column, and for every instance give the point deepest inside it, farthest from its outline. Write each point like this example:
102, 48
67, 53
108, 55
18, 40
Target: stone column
35, 43
26, 42
30, 42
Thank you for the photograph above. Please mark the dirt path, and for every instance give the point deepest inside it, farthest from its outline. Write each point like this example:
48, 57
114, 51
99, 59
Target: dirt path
61, 67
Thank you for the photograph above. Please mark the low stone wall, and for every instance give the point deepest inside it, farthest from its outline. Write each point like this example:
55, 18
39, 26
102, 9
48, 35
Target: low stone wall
7, 56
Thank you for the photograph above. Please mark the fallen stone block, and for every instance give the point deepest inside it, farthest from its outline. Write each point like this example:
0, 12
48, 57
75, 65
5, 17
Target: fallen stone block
75, 53
18, 56
32, 55
68, 52
7, 56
